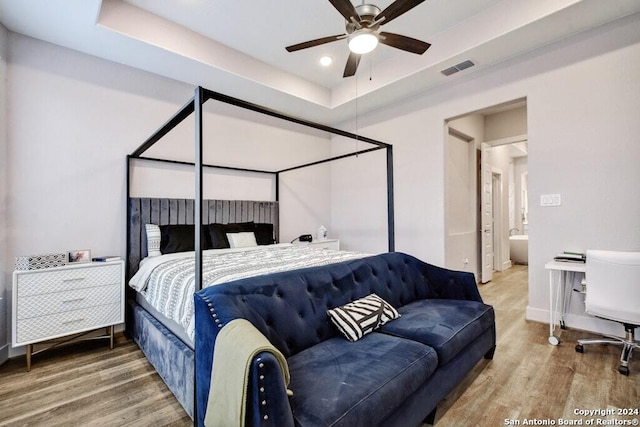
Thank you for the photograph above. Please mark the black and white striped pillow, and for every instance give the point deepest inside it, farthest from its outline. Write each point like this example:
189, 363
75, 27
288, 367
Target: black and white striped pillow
362, 316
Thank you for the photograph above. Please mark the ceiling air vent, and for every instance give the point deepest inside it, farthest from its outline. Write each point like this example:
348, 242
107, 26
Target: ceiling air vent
458, 67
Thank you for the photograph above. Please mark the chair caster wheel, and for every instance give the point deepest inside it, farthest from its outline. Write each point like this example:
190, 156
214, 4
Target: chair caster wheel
624, 370
553, 340
579, 348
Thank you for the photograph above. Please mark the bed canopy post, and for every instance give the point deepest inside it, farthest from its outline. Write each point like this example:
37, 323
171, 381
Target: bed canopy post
197, 229
198, 101
128, 184
390, 202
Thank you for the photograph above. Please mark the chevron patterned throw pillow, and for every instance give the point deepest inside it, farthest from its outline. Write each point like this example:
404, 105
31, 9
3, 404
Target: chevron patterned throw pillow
362, 316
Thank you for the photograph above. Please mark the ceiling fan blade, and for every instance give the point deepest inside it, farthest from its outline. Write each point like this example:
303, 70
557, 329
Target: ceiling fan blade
396, 9
352, 64
404, 43
346, 9
316, 42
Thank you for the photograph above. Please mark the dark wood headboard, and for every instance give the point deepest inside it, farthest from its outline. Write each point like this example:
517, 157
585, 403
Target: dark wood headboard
181, 211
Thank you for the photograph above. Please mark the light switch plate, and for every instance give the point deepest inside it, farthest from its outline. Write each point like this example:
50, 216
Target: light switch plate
550, 200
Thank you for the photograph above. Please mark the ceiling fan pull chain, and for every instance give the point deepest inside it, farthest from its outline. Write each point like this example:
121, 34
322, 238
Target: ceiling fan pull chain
357, 137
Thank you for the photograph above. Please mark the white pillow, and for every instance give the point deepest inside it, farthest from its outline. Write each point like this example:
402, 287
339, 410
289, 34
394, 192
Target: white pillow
242, 240
153, 240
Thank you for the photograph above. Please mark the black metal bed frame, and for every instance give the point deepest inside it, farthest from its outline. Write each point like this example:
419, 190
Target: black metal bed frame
195, 106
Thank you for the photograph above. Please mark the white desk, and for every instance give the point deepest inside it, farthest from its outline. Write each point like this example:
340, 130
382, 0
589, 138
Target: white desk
561, 269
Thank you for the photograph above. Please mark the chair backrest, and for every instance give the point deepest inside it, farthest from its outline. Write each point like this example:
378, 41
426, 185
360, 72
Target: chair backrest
613, 285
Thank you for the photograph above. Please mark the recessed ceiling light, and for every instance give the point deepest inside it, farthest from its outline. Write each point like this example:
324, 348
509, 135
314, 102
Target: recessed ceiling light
325, 61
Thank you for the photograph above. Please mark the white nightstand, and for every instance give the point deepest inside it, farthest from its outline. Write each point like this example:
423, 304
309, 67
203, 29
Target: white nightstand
333, 244
57, 302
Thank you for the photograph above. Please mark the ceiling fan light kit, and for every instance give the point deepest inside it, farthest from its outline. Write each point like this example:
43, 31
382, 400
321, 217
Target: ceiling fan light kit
363, 31
363, 41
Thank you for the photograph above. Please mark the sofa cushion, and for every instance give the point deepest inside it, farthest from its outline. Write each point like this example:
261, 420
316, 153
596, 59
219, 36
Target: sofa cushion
446, 325
342, 383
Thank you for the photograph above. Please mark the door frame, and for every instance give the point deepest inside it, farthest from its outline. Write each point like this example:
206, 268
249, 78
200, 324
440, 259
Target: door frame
497, 193
487, 217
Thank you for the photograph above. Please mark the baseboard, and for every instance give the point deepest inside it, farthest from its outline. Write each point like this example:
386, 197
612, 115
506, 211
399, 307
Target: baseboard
581, 323
506, 265
537, 315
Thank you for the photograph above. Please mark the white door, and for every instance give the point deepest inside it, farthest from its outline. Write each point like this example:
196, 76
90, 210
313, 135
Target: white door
486, 214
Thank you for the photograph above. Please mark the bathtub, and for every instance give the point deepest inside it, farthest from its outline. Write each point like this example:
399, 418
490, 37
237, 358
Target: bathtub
519, 248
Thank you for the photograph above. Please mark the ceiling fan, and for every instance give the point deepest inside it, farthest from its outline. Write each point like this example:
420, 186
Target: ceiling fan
363, 31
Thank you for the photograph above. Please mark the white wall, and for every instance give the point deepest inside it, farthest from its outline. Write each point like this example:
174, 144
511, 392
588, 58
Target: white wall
582, 105
73, 119
4, 281
359, 200
305, 201
506, 124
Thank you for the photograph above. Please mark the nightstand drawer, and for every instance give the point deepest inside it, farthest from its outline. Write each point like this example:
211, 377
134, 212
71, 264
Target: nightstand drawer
46, 282
60, 302
60, 324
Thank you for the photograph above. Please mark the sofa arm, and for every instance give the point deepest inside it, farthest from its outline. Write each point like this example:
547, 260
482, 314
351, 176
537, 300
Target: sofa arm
451, 284
265, 383
267, 400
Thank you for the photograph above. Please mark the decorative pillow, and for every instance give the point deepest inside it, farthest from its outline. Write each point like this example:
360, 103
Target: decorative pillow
242, 240
153, 240
179, 238
238, 227
218, 236
264, 233
218, 233
362, 316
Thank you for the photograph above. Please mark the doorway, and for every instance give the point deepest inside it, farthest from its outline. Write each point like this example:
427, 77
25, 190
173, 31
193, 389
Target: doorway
498, 139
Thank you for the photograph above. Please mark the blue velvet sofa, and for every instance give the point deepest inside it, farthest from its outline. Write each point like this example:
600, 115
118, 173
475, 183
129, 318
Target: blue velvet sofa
394, 376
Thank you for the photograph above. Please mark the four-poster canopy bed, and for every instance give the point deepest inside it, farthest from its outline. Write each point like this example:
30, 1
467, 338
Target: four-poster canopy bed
162, 338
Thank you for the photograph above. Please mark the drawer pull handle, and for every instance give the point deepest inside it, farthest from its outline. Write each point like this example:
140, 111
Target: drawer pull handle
72, 321
72, 300
73, 279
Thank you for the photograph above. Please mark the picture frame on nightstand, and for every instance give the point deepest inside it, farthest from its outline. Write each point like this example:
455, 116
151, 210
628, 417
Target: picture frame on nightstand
79, 256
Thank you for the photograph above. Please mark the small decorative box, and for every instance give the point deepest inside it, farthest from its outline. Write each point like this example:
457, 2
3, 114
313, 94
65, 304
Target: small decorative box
35, 262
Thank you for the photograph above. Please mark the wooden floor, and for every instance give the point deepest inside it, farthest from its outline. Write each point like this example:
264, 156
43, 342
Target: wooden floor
529, 379
90, 385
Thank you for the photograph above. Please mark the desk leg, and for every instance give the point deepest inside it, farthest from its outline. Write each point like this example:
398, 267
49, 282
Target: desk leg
29, 352
567, 277
553, 340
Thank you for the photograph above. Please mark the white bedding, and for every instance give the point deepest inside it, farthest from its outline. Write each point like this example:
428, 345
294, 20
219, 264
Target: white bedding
167, 282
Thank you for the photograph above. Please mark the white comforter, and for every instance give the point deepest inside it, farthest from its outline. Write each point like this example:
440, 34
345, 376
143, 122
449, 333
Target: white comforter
167, 281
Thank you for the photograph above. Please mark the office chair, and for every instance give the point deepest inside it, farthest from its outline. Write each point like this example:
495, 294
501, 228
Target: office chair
613, 293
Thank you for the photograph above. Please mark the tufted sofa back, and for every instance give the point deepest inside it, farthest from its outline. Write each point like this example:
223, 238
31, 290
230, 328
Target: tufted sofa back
290, 308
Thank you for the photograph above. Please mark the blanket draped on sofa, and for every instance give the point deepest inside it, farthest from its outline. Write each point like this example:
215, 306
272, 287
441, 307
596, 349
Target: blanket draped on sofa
238, 343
